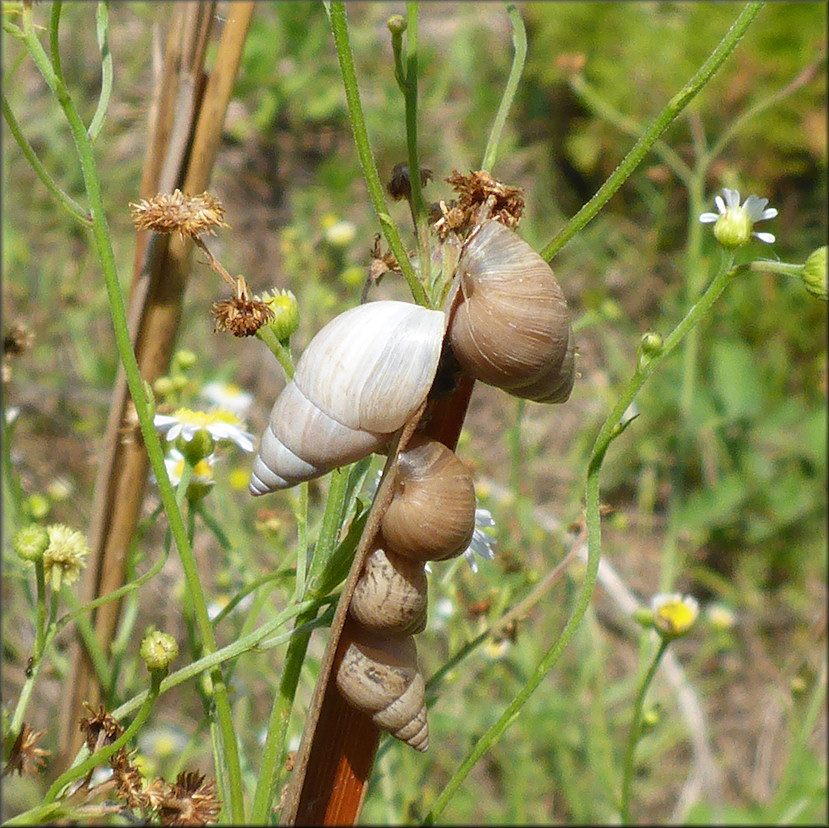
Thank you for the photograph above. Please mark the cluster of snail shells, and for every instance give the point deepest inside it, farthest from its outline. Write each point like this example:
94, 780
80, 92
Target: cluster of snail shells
359, 380
431, 517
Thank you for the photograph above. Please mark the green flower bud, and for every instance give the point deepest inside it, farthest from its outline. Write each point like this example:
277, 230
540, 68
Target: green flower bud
814, 273
185, 359
650, 346
285, 309
651, 717
31, 542
159, 650
396, 24
733, 229
199, 446
643, 616
163, 387
37, 506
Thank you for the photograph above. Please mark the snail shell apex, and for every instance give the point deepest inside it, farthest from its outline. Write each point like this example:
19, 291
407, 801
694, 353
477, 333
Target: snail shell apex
378, 674
358, 381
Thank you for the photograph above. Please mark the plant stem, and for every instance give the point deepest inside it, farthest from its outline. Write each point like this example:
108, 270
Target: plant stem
519, 43
339, 27
663, 120
141, 400
102, 31
610, 429
633, 736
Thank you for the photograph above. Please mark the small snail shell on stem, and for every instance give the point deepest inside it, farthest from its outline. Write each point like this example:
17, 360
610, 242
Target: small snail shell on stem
391, 595
379, 675
358, 381
431, 516
511, 327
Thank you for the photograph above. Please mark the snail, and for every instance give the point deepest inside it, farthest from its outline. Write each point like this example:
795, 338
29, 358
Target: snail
511, 328
378, 674
431, 516
358, 381
391, 594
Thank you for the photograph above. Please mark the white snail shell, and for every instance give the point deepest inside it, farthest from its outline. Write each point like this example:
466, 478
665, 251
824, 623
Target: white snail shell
391, 595
358, 381
431, 516
379, 675
512, 327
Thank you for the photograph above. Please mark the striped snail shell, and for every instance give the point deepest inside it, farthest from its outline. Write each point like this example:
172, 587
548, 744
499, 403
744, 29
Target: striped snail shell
391, 595
378, 674
431, 516
358, 381
511, 328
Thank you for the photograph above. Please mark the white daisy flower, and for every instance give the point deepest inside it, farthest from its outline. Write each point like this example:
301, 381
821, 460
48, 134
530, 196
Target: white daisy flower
734, 222
220, 424
482, 544
228, 396
674, 614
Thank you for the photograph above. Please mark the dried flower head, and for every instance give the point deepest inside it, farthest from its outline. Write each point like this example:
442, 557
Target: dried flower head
129, 783
243, 315
17, 339
65, 556
190, 801
99, 728
189, 215
26, 758
381, 263
477, 188
400, 185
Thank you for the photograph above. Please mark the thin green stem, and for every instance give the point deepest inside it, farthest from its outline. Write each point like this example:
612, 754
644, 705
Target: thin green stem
66, 201
519, 43
663, 120
104, 753
102, 31
301, 515
635, 733
610, 429
339, 28
141, 400
278, 349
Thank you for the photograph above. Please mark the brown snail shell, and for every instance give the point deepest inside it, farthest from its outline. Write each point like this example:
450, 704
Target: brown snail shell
511, 328
431, 516
379, 675
391, 595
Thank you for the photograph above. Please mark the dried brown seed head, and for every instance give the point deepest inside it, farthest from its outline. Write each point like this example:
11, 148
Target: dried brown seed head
190, 801
243, 315
400, 185
476, 188
189, 215
26, 758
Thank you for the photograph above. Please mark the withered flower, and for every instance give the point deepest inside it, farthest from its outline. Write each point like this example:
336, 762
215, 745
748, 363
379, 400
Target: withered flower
99, 728
189, 215
242, 315
381, 263
477, 187
447, 218
400, 185
17, 339
26, 757
190, 801
129, 784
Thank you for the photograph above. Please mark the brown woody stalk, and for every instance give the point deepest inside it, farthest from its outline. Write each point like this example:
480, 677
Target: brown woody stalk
185, 131
339, 743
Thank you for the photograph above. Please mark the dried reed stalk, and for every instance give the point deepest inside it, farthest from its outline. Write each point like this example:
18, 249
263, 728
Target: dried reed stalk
185, 132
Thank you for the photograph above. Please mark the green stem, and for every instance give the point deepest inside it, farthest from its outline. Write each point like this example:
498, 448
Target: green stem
280, 718
610, 429
339, 27
140, 396
663, 120
278, 349
635, 728
519, 43
67, 202
104, 753
102, 31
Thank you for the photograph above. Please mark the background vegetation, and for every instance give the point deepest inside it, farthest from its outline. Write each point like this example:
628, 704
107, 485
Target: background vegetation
720, 493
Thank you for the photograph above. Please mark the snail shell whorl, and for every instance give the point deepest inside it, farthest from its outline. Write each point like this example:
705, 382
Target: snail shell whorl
512, 327
431, 516
358, 381
391, 595
379, 675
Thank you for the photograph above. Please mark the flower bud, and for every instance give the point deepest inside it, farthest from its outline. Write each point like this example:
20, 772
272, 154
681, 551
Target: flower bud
674, 615
199, 446
285, 310
159, 650
184, 358
31, 542
396, 24
650, 346
814, 273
